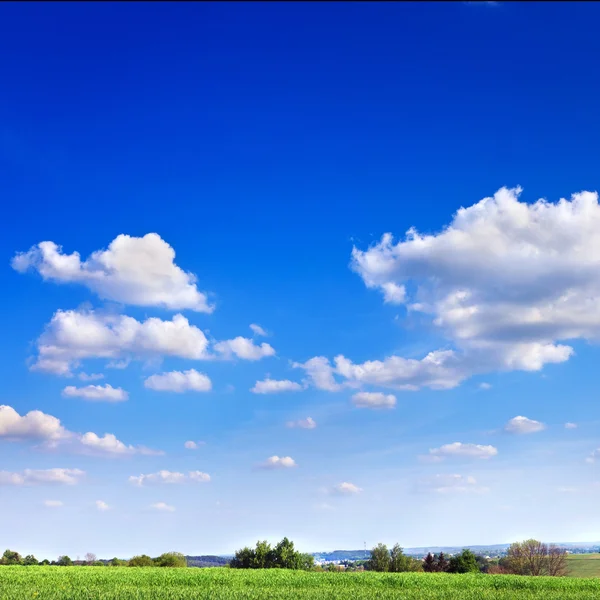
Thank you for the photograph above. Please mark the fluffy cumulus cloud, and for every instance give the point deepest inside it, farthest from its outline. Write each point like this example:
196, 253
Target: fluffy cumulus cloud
72, 336
460, 450
179, 382
42, 477
278, 462
506, 282
41, 427
373, 400
139, 271
308, 423
162, 507
90, 376
96, 393
523, 425
451, 483
258, 330
244, 348
169, 477
35, 425
345, 489
102, 506
274, 386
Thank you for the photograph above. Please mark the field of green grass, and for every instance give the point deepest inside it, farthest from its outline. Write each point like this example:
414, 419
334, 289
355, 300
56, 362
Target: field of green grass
583, 565
123, 583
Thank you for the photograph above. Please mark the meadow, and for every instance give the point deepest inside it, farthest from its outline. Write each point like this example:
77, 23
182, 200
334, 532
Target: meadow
126, 583
583, 565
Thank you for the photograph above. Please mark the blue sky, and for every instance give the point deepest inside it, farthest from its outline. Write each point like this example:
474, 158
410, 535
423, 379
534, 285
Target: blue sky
270, 147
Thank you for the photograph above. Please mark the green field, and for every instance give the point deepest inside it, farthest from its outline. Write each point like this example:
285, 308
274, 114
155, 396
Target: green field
583, 565
123, 583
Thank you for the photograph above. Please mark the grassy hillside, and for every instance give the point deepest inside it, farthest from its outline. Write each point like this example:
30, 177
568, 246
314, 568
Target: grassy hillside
583, 565
123, 583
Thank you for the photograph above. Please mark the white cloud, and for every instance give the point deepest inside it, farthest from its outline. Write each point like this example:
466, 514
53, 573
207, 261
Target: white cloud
594, 456
53, 503
570, 425
345, 489
485, 386
169, 477
258, 330
458, 449
373, 400
179, 382
163, 507
102, 506
273, 386
97, 393
35, 425
244, 348
90, 376
523, 425
277, 462
72, 336
191, 445
506, 283
39, 426
451, 483
308, 423
42, 476
320, 373
133, 270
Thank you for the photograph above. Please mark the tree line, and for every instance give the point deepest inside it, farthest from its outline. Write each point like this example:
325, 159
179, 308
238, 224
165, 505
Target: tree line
530, 557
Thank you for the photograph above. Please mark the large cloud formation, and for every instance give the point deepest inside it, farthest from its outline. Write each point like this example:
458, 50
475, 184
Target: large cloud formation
133, 270
506, 284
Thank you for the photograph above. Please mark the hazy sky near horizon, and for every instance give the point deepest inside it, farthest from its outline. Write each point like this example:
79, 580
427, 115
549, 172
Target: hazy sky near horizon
283, 269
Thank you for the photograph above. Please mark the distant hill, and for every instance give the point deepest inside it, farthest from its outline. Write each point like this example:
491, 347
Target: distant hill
207, 561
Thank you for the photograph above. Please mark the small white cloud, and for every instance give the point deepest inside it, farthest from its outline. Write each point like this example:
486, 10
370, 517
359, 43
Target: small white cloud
96, 393
320, 373
258, 330
163, 507
393, 294
451, 483
458, 449
35, 425
523, 425
273, 386
102, 506
53, 503
308, 423
373, 400
594, 456
244, 348
277, 462
570, 425
133, 270
169, 477
345, 489
109, 445
191, 445
42, 476
179, 382
485, 386
90, 376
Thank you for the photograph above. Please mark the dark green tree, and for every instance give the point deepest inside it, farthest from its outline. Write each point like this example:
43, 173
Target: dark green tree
30, 560
465, 562
142, 560
117, 562
243, 559
64, 561
430, 564
171, 559
442, 563
44, 563
380, 559
10, 557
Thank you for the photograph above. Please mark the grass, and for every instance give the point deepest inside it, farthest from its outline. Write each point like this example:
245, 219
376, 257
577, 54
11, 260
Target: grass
583, 565
123, 583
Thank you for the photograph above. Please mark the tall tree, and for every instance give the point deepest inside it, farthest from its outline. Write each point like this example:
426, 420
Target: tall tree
380, 559
30, 560
557, 561
442, 563
11, 557
533, 557
465, 562
430, 564
64, 561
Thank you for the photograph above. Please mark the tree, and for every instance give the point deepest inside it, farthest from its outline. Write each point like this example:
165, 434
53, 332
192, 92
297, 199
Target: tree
400, 563
282, 556
98, 563
380, 559
64, 561
307, 562
117, 562
90, 558
430, 564
465, 562
533, 557
44, 563
243, 559
143, 560
171, 559
11, 557
30, 560
263, 555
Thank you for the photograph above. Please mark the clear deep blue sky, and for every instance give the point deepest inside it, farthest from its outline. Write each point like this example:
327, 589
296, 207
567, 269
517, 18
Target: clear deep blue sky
262, 142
